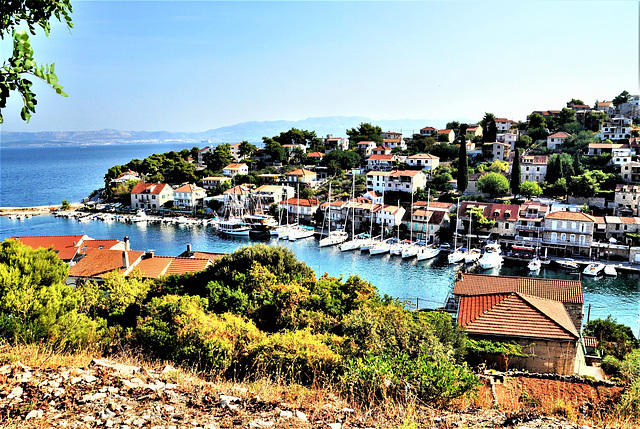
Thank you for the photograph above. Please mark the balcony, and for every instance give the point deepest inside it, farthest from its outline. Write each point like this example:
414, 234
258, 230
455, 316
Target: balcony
565, 242
529, 228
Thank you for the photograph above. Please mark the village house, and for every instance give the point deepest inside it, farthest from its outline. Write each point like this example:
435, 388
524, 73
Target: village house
124, 178
596, 149
541, 326
568, 232
568, 292
235, 169
629, 109
315, 156
627, 200
616, 129
500, 151
334, 214
530, 223
290, 148
425, 223
388, 216
630, 172
300, 209
436, 206
334, 143
381, 150
621, 155
555, 140
533, 168
235, 151
423, 161
475, 130
381, 162
504, 215
449, 135
605, 106
269, 194
301, 176
405, 181
201, 153
151, 195
366, 147
189, 196
396, 142
236, 199
617, 227
377, 181
428, 131
504, 124
154, 267
510, 138
97, 263
65, 246
212, 182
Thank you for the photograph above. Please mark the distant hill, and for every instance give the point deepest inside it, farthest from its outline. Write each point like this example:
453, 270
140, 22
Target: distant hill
251, 131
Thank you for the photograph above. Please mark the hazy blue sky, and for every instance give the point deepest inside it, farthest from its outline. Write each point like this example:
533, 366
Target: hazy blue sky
193, 66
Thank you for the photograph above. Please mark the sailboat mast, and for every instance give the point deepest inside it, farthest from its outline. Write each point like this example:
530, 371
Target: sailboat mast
428, 201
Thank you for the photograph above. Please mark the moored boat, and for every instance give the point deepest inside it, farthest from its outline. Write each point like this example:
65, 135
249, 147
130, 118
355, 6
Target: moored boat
534, 265
428, 252
593, 270
233, 227
610, 270
334, 237
568, 264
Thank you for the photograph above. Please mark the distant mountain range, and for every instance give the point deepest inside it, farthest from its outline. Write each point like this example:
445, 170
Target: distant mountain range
250, 131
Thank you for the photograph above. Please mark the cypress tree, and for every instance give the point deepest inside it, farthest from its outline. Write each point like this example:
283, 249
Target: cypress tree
515, 174
463, 167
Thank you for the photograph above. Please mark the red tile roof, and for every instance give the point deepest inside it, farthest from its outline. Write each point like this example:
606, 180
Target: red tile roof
149, 188
366, 142
505, 212
427, 129
315, 155
99, 262
565, 215
392, 140
180, 266
301, 172
101, 244
422, 156
380, 157
405, 173
188, 188
444, 131
303, 202
560, 134
516, 315
58, 242
234, 166
434, 205
568, 291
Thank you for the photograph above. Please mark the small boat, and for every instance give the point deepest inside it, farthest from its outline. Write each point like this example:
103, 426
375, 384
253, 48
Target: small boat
594, 269
472, 256
534, 265
301, 232
334, 237
457, 255
397, 246
568, 264
610, 270
428, 252
411, 251
492, 257
354, 243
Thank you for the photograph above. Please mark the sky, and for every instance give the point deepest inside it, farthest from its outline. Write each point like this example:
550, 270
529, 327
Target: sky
195, 66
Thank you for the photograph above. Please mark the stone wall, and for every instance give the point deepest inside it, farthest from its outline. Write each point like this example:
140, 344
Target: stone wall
576, 314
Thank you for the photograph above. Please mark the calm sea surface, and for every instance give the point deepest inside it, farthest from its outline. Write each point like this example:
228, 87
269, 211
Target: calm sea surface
33, 176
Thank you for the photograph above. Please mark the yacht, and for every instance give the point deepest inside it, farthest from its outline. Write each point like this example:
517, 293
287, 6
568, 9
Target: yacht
594, 269
428, 252
492, 257
234, 227
472, 256
334, 237
380, 248
457, 255
300, 232
410, 251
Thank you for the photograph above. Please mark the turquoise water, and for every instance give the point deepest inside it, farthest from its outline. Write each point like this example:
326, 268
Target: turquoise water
426, 283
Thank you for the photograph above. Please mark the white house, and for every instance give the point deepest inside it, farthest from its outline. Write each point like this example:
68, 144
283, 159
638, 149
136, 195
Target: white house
533, 168
630, 172
234, 169
554, 141
428, 131
381, 162
621, 155
377, 181
366, 147
503, 124
616, 129
511, 138
425, 161
268, 194
500, 151
406, 180
235, 151
213, 182
301, 175
450, 135
391, 135
335, 143
189, 196
151, 195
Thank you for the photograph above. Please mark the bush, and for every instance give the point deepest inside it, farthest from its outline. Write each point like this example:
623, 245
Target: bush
178, 328
401, 378
299, 356
611, 366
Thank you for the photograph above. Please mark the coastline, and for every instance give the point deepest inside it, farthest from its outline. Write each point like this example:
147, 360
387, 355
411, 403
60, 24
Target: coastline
36, 210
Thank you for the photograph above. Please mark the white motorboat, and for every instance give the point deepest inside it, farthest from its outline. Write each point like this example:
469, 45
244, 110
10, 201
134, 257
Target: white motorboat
428, 252
492, 257
568, 264
457, 255
301, 232
534, 265
334, 237
594, 269
380, 248
610, 270
472, 256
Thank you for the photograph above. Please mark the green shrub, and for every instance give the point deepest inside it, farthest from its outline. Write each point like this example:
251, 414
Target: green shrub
178, 328
611, 366
629, 405
36, 305
400, 377
299, 356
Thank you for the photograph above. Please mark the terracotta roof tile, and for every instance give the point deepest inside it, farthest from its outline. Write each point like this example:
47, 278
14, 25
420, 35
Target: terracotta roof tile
149, 188
379, 157
567, 291
560, 134
98, 262
181, 266
565, 215
58, 242
301, 172
517, 315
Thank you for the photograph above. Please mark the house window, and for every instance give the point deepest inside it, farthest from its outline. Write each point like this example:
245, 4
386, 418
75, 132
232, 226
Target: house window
554, 236
563, 237
572, 238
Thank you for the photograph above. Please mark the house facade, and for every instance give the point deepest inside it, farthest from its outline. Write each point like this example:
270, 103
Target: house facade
630, 172
627, 199
300, 209
335, 143
234, 169
366, 147
500, 151
424, 161
569, 232
213, 182
151, 195
450, 135
381, 162
189, 196
533, 168
556, 140
616, 129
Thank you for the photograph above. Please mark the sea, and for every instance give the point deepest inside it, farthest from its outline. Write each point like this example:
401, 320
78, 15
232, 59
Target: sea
32, 176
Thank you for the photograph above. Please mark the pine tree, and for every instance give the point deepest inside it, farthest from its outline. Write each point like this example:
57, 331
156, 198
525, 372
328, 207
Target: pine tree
463, 167
515, 174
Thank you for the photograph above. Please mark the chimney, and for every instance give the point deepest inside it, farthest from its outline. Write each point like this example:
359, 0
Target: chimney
125, 260
126, 243
149, 254
189, 249
459, 276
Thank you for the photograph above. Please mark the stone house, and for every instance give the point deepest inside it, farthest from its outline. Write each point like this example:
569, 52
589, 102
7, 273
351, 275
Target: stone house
213, 182
627, 199
630, 172
566, 231
533, 168
151, 195
556, 140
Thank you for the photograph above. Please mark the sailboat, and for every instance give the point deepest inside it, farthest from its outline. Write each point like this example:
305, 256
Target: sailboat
458, 254
300, 231
334, 237
472, 254
368, 242
355, 242
383, 245
397, 246
428, 252
411, 250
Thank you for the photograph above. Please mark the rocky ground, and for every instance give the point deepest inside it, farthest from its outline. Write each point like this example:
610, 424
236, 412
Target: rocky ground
105, 394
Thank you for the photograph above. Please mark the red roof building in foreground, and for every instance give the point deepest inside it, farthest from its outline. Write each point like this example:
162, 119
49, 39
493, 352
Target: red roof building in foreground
568, 292
541, 326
